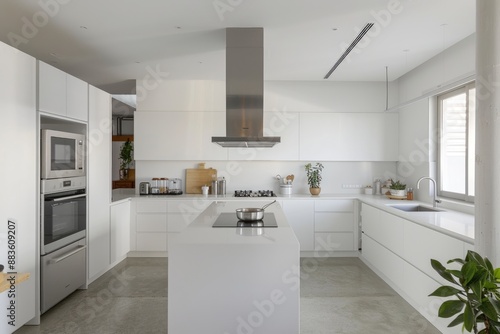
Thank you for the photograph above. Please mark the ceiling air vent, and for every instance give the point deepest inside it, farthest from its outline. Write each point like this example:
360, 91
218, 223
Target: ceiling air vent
349, 49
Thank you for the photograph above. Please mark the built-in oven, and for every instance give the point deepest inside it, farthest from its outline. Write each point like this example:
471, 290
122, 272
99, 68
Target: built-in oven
63, 229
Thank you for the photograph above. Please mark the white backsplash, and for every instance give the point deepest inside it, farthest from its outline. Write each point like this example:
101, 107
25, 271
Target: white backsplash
260, 175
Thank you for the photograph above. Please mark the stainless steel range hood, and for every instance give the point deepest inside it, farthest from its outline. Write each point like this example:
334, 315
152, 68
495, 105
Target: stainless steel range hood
245, 90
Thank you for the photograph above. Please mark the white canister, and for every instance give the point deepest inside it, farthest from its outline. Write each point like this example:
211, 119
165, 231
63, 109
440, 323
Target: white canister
286, 189
204, 190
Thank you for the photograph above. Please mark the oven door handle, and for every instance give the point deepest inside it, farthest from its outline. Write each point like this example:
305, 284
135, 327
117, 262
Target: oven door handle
65, 256
68, 197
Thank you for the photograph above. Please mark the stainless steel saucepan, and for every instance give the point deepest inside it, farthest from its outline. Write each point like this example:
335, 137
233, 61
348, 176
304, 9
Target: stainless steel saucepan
252, 214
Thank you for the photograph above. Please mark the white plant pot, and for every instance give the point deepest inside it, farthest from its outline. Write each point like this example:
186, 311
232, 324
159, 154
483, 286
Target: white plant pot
399, 193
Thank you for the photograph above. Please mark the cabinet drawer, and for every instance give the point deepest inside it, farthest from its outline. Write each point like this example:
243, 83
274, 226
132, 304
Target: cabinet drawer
152, 242
331, 242
333, 222
151, 222
334, 205
151, 206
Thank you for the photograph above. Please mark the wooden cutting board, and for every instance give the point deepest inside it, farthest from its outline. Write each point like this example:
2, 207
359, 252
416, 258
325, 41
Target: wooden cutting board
196, 178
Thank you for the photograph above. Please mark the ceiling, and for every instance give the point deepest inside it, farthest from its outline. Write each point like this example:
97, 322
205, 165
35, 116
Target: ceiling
112, 43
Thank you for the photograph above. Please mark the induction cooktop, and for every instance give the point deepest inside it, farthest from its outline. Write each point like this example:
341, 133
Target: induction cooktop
228, 219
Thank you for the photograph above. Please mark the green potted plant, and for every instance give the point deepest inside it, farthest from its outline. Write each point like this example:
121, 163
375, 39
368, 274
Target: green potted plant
397, 189
314, 177
476, 287
126, 158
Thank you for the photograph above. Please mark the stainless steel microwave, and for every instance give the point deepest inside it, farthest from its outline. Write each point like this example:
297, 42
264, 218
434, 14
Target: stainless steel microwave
62, 154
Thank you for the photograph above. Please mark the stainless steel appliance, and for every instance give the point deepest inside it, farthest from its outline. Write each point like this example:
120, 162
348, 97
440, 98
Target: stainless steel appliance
144, 188
63, 230
251, 193
62, 154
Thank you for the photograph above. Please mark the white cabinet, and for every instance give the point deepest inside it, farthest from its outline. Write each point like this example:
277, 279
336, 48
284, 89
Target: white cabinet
335, 226
99, 183
300, 217
62, 94
77, 98
151, 225
437, 246
120, 231
178, 135
157, 219
400, 252
349, 136
383, 227
18, 177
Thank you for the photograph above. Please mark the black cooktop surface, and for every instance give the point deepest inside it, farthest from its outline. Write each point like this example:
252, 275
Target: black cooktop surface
228, 219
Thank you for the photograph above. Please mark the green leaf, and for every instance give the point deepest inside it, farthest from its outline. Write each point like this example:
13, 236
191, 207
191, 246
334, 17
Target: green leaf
488, 309
445, 291
450, 308
457, 321
441, 270
456, 273
468, 318
497, 274
461, 261
477, 288
495, 303
489, 266
468, 271
478, 259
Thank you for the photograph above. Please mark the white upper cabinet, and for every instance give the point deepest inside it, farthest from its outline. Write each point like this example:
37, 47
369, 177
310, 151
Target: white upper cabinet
349, 136
178, 135
77, 102
61, 94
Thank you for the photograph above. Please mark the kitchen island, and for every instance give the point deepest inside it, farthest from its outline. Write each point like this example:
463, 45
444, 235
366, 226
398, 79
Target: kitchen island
234, 279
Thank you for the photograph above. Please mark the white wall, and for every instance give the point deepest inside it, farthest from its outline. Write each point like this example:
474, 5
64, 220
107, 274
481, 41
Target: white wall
418, 121
294, 97
260, 175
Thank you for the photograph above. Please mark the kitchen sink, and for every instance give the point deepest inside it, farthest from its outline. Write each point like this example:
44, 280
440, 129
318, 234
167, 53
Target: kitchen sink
414, 208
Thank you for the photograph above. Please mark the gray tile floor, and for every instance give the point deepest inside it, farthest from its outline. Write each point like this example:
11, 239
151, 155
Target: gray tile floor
338, 295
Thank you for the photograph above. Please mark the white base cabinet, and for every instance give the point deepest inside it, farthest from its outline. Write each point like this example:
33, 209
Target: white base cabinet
300, 217
120, 231
335, 226
155, 221
399, 251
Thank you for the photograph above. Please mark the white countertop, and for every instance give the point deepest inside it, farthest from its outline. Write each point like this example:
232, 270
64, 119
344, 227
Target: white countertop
200, 231
456, 224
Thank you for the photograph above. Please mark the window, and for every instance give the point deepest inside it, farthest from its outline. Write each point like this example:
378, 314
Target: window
456, 110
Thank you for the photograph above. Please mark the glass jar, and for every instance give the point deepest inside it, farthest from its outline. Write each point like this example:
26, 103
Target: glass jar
155, 186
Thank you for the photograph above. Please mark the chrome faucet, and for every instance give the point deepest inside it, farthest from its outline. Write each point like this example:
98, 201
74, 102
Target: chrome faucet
434, 200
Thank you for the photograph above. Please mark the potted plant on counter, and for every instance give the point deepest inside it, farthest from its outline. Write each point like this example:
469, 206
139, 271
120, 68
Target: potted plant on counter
476, 287
125, 158
398, 189
314, 177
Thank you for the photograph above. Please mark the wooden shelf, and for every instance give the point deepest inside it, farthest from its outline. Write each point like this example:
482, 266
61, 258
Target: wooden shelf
123, 184
123, 138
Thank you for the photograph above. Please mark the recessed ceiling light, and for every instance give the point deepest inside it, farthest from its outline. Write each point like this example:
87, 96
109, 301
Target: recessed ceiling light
178, 27
83, 27
335, 29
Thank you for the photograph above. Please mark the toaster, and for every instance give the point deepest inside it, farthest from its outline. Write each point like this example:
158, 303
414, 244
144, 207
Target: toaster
144, 188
